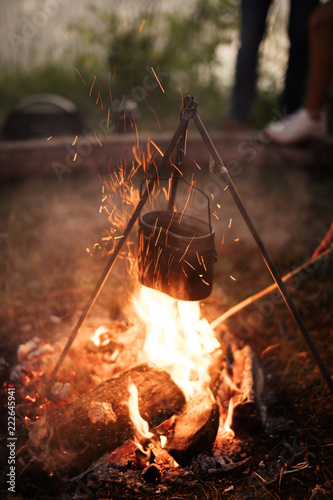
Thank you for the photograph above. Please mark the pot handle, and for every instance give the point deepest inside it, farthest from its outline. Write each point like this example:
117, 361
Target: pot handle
207, 198
143, 182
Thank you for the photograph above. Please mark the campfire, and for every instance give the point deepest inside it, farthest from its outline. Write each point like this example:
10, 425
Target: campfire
162, 390
167, 391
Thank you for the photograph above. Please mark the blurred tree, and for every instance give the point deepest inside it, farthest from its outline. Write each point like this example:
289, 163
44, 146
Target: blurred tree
182, 43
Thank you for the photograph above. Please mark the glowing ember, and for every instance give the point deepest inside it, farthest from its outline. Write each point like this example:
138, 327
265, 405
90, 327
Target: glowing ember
177, 339
100, 337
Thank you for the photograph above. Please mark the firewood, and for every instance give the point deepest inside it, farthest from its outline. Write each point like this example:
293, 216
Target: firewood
194, 429
247, 375
69, 440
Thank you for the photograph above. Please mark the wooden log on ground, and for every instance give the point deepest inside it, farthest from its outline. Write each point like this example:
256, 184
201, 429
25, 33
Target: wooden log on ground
69, 440
194, 429
248, 377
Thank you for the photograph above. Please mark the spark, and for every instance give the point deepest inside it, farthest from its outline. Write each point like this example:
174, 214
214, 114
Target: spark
236, 239
222, 242
189, 264
230, 222
63, 33
156, 220
185, 141
178, 170
136, 155
169, 186
159, 251
74, 142
218, 205
195, 163
105, 132
147, 251
110, 93
92, 85
159, 234
205, 282
142, 25
99, 97
78, 72
188, 246
215, 215
157, 80
118, 237
97, 139
154, 113
268, 349
203, 263
49, 138
136, 134
75, 156
234, 279
190, 191
181, 95
166, 194
156, 147
226, 188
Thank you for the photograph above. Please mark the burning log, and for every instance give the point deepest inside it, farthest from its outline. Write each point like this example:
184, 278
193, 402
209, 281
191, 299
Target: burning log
248, 377
69, 440
194, 429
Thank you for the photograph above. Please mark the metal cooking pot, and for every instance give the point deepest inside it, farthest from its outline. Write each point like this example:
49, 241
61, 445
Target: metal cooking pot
176, 254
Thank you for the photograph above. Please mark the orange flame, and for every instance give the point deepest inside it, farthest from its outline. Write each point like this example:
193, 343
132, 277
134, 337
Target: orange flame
140, 425
177, 339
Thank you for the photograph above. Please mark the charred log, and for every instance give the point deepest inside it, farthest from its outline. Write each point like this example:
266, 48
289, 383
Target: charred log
247, 415
194, 429
69, 440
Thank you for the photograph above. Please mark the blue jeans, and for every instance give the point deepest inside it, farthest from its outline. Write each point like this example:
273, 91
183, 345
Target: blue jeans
253, 25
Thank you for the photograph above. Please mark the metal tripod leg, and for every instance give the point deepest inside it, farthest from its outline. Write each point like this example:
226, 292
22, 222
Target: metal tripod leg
175, 176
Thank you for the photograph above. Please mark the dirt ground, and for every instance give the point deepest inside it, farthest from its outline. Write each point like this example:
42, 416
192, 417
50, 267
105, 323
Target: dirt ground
47, 274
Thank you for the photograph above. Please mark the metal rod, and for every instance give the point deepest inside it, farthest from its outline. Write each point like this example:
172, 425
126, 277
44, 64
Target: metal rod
271, 267
249, 300
175, 176
188, 113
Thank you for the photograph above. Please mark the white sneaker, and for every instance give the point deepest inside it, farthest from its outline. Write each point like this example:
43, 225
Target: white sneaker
296, 128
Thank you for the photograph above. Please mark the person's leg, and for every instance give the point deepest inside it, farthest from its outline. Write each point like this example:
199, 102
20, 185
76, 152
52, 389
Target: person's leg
321, 59
309, 122
253, 21
297, 69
